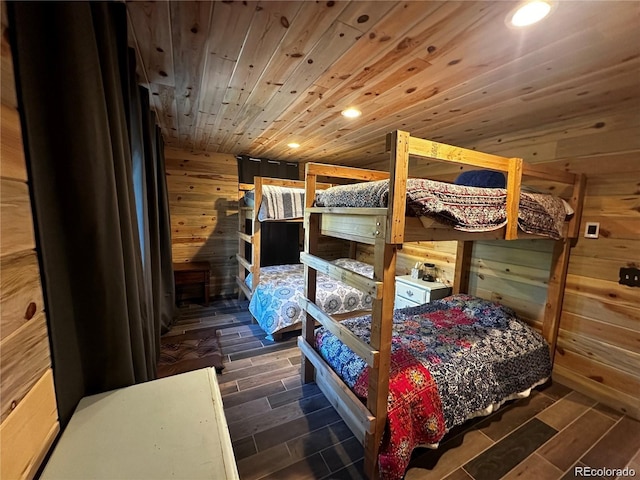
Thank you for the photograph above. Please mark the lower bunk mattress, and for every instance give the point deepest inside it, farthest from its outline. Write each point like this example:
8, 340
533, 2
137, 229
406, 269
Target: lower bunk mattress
275, 301
451, 360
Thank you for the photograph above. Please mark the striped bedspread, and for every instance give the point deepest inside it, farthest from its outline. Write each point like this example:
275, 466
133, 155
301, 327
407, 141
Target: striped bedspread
281, 203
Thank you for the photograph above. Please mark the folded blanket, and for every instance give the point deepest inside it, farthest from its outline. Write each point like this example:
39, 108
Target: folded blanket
278, 203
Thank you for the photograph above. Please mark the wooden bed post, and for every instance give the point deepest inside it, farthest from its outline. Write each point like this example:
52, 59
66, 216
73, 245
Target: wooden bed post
514, 180
381, 329
384, 268
353, 249
559, 267
255, 233
398, 143
463, 267
242, 228
311, 234
577, 200
555, 292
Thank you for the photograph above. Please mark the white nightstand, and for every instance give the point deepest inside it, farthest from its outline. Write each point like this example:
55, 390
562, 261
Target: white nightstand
413, 291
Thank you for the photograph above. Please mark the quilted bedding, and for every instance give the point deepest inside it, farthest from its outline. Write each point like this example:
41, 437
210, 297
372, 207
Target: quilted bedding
274, 303
451, 359
278, 203
466, 208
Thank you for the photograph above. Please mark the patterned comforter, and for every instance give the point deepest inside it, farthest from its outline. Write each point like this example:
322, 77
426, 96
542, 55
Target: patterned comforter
470, 209
278, 203
450, 360
274, 303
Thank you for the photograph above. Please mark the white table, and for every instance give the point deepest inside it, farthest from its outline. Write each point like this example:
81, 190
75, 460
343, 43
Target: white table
168, 428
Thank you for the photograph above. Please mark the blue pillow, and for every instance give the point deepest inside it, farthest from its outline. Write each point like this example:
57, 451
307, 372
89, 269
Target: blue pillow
482, 178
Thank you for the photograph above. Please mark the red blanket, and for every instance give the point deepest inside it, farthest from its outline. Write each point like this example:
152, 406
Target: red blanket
414, 412
461, 354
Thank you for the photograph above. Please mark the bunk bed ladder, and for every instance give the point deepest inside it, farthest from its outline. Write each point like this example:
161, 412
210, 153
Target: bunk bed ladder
244, 266
367, 424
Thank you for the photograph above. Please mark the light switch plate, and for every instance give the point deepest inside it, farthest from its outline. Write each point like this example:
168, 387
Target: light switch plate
592, 230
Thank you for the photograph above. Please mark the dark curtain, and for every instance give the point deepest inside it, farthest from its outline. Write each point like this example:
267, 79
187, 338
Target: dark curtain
82, 126
280, 242
160, 265
249, 167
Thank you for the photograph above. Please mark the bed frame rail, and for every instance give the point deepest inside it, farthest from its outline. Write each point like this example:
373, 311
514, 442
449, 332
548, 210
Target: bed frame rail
362, 225
360, 348
353, 279
353, 412
243, 288
402, 145
338, 171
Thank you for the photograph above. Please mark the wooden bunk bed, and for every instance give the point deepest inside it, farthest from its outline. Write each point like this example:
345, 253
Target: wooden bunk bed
282, 284
386, 229
253, 238
246, 212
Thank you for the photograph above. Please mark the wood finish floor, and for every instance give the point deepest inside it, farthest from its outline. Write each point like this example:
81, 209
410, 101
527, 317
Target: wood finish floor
282, 429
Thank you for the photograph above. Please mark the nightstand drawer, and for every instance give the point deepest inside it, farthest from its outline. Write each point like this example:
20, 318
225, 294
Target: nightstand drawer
188, 278
412, 293
402, 302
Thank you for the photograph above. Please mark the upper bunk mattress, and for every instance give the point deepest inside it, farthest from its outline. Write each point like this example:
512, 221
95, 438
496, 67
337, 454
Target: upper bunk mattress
471, 209
451, 359
278, 203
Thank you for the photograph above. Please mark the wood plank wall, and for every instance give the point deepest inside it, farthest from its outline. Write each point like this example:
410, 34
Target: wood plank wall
441, 254
599, 340
203, 190
27, 398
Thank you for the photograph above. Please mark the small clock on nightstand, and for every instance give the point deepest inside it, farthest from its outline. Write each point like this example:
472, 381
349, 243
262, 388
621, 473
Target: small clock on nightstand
411, 292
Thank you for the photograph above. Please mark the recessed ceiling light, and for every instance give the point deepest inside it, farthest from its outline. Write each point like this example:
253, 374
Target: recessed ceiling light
351, 113
293, 145
530, 13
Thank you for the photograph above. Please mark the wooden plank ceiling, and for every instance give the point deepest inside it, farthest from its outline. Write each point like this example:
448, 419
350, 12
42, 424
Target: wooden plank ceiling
247, 77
